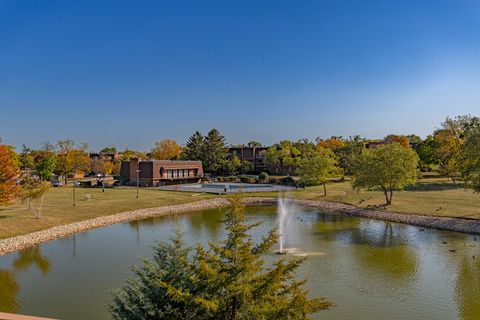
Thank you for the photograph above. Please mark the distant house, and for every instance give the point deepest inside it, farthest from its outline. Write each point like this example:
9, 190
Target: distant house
160, 172
105, 156
255, 155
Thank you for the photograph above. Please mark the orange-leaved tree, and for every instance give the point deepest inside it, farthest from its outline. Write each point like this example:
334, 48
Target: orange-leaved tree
9, 171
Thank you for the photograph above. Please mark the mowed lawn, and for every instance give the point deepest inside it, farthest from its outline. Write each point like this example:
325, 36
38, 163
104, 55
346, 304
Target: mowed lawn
434, 196
92, 202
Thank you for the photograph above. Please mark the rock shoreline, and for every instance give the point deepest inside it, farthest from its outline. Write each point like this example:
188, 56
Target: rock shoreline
13, 244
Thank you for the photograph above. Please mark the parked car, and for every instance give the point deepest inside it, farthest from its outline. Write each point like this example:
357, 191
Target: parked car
57, 183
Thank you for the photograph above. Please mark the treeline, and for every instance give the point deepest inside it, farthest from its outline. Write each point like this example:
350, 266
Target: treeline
453, 149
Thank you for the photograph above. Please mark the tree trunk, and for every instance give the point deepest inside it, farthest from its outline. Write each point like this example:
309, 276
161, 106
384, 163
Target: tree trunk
385, 192
454, 182
390, 199
74, 204
40, 207
324, 189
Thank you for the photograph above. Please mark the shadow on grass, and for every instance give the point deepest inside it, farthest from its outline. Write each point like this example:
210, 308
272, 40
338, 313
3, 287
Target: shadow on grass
438, 186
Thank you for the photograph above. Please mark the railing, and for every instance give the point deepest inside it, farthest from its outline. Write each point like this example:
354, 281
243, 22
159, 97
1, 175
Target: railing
9, 316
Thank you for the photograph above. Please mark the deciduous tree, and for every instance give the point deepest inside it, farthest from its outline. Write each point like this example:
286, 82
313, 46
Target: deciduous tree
319, 168
9, 172
34, 189
45, 164
166, 149
469, 162
390, 167
282, 156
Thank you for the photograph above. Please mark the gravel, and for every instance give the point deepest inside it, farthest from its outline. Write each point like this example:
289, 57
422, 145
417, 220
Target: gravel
24, 241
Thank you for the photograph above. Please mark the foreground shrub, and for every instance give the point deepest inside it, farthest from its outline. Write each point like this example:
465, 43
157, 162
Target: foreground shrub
227, 280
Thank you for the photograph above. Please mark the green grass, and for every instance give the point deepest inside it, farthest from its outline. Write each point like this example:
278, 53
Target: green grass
432, 196
57, 210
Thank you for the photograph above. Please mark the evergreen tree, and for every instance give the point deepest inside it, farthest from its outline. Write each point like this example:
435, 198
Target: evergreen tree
227, 280
193, 148
214, 151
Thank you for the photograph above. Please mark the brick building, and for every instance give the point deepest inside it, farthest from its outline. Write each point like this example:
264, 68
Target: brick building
253, 154
160, 172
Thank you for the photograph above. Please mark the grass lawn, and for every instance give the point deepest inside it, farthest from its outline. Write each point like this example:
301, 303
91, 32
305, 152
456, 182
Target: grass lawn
432, 196
57, 209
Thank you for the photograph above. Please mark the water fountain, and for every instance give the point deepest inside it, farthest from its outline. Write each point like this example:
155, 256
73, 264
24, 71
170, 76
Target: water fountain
282, 213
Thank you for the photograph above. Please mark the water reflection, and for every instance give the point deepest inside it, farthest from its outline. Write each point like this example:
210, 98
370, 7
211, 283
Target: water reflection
8, 292
467, 288
32, 256
380, 251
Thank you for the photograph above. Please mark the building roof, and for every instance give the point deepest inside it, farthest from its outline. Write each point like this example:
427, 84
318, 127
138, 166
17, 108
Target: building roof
176, 164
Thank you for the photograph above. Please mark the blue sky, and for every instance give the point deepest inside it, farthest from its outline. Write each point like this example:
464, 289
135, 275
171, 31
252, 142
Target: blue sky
129, 73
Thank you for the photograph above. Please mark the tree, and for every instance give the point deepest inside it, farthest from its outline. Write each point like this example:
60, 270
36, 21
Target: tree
227, 280
245, 167
332, 143
33, 189
166, 149
447, 152
109, 150
319, 168
469, 161
404, 141
71, 157
214, 151
390, 167
45, 164
127, 154
426, 151
194, 148
26, 158
353, 147
282, 156
254, 143
450, 138
9, 172
99, 165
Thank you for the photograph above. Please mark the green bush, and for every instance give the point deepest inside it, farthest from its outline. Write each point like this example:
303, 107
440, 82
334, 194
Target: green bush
263, 176
232, 179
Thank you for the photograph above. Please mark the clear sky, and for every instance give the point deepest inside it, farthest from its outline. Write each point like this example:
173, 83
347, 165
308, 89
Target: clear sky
129, 73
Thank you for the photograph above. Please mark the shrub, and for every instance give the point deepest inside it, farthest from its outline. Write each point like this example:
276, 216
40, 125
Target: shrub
232, 179
263, 176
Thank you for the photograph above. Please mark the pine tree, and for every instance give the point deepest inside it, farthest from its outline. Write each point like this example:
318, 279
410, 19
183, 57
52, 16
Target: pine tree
214, 153
193, 148
227, 280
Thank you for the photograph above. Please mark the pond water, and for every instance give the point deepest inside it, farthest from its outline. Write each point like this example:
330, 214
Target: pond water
369, 269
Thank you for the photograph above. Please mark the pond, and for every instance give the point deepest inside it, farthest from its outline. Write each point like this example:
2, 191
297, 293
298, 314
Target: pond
369, 269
